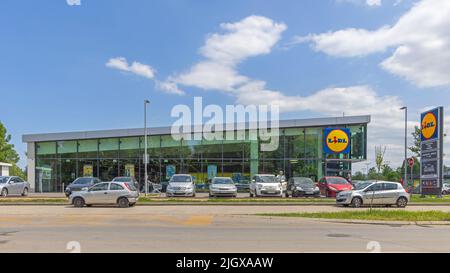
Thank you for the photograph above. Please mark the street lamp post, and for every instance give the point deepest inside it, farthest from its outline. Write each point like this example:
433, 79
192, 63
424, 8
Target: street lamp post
146, 102
405, 181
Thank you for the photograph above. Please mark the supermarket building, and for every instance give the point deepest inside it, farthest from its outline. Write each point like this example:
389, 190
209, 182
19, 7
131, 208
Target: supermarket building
56, 159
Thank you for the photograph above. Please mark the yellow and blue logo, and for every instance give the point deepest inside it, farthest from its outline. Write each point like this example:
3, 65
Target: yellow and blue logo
428, 125
337, 140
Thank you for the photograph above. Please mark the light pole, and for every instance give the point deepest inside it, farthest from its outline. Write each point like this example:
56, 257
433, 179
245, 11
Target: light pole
405, 179
146, 102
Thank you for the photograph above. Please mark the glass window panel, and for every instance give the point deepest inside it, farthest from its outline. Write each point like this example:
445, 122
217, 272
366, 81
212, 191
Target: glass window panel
313, 142
295, 143
129, 147
87, 148
67, 149
153, 146
46, 149
191, 148
108, 147
46, 171
170, 148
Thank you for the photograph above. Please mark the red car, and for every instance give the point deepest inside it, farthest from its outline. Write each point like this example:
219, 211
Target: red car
331, 185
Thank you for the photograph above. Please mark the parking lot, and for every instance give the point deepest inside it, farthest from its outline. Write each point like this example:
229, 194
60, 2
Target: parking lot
203, 229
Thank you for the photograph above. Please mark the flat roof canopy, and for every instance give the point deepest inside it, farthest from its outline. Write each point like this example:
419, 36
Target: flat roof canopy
313, 122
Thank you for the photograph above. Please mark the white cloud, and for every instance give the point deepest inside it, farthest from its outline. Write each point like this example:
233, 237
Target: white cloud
420, 38
373, 2
252, 36
169, 87
370, 3
137, 68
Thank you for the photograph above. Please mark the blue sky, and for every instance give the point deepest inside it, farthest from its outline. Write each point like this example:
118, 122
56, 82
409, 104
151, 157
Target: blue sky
53, 56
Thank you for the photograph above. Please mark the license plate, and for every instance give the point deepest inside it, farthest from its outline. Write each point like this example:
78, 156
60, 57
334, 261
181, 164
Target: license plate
309, 192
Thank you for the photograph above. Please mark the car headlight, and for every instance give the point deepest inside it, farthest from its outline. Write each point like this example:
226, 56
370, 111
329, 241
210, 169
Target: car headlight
260, 186
299, 188
333, 188
316, 189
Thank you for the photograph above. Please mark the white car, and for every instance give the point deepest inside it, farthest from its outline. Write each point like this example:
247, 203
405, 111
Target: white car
266, 185
445, 188
181, 185
374, 193
13, 185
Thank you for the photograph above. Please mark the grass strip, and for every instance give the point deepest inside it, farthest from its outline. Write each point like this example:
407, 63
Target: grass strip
384, 215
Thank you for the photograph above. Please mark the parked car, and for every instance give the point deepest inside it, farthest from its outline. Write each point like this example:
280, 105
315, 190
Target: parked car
243, 185
375, 193
301, 186
123, 194
222, 186
80, 183
13, 185
128, 179
445, 188
331, 185
265, 185
181, 185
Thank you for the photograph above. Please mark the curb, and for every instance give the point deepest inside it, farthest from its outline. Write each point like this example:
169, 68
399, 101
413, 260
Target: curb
300, 204
363, 222
386, 223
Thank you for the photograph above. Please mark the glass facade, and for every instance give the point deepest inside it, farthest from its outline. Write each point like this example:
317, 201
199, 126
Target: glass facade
299, 153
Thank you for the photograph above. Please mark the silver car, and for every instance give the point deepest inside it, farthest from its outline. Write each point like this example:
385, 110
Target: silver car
222, 186
107, 193
181, 185
374, 193
13, 185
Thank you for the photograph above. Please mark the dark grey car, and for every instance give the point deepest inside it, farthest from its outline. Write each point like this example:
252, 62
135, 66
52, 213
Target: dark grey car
80, 183
301, 186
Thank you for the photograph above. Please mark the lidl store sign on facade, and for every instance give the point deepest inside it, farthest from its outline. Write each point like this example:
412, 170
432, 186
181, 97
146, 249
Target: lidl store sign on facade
336, 140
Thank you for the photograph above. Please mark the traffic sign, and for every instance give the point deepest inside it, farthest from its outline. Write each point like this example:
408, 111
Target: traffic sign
411, 162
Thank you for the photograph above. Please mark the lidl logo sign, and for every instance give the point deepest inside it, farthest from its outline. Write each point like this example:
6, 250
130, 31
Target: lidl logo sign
428, 125
336, 140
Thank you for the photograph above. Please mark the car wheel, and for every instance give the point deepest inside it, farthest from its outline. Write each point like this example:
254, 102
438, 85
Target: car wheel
4, 193
123, 202
286, 194
356, 202
402, 202
78, 202
25, 192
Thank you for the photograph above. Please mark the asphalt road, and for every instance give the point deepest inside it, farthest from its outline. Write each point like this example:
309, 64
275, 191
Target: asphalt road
204, 229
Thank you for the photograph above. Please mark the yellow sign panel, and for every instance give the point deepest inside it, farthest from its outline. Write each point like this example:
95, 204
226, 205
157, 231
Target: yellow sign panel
88, 170
429, 123
337, 141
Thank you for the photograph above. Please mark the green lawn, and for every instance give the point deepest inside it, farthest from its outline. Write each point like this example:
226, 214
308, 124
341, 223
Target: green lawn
386, 215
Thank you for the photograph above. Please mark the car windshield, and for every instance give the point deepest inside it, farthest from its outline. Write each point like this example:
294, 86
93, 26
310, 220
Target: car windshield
122, 179
3, 179
82, 181
222, 181
304, 181
336, 181
180, 179
266, 179
362, 185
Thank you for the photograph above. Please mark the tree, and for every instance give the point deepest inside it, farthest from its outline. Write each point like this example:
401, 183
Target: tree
8, 154
379, 157
415, 148
358, 176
